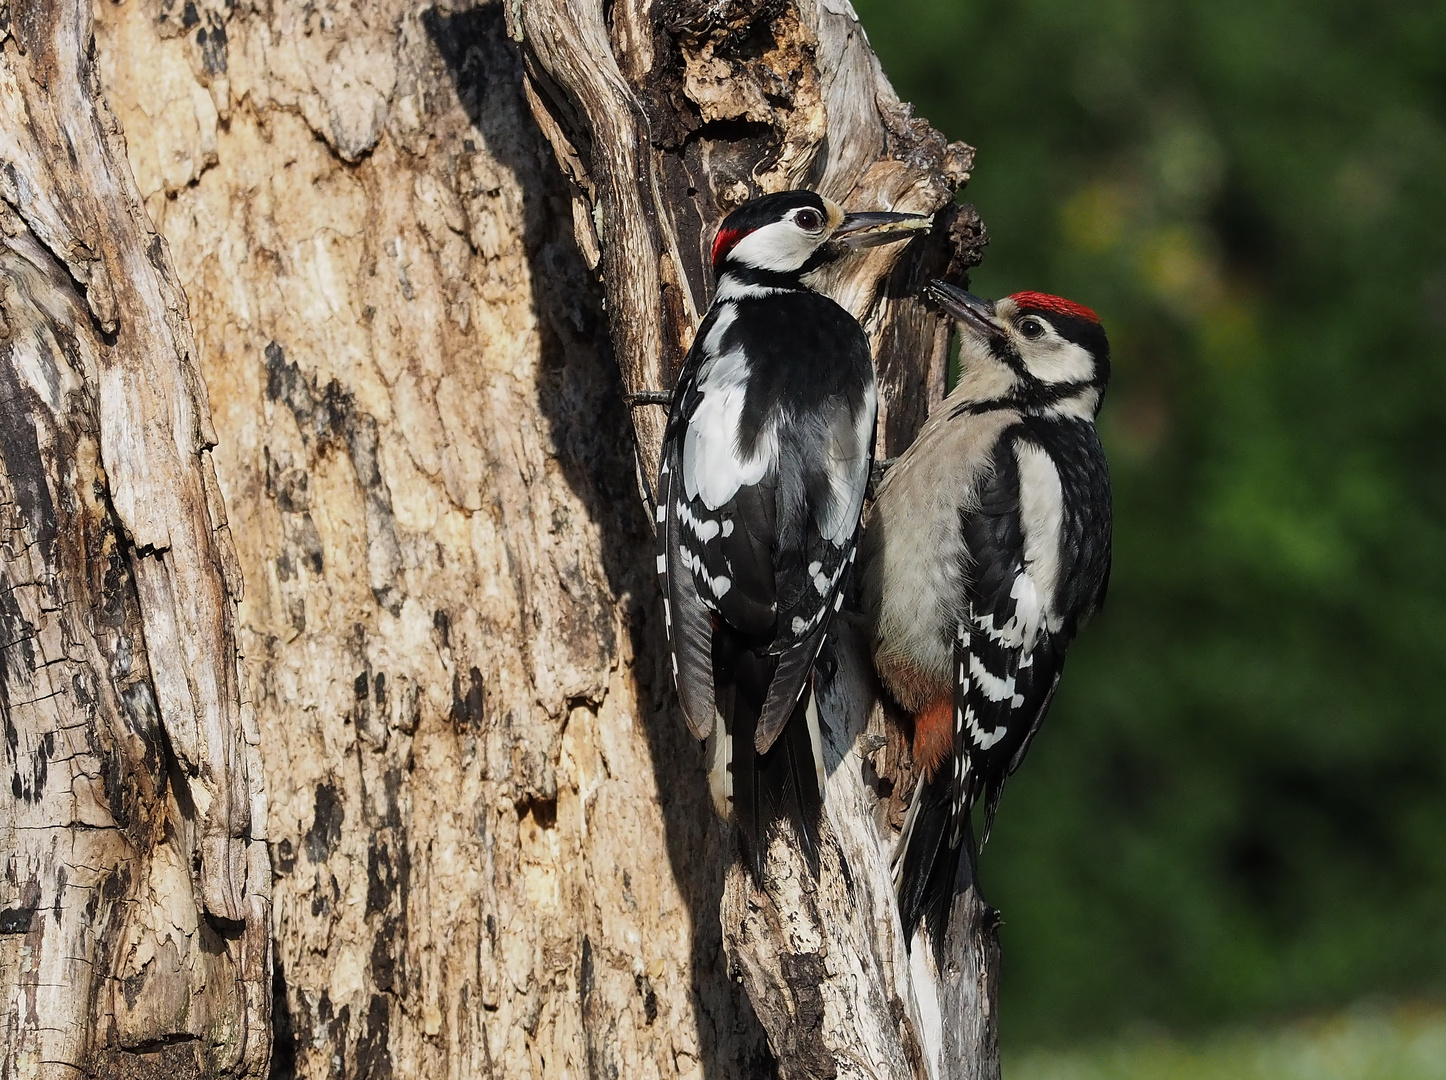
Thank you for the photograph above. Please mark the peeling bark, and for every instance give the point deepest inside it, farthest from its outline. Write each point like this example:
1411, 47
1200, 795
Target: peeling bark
136, 884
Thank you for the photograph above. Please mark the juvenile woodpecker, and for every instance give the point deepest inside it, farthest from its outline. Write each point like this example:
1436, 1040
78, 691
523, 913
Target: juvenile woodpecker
765, 460
987, 548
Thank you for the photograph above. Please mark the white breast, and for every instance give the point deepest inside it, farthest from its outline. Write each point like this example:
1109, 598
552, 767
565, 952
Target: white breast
920, 553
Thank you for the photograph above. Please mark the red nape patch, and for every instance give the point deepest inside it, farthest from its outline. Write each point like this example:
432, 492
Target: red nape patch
1057, 305
724, 241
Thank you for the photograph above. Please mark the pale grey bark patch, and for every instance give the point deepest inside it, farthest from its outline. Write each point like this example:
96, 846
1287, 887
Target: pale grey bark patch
423, 448
135, 885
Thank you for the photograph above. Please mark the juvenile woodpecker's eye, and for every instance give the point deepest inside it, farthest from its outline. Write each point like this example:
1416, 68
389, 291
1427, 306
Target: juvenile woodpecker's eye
1031, 328
808, 220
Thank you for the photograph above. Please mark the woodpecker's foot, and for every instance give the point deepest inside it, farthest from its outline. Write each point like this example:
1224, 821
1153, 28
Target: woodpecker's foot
648, 397
876, 474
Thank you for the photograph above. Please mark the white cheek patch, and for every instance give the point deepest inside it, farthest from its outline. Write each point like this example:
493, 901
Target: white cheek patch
1054, 360
782, 246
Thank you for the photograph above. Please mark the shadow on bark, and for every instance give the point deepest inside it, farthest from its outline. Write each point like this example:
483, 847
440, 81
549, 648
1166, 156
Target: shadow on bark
581, 400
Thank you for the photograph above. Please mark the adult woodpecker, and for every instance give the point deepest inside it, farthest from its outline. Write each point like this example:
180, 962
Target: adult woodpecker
765, 460
988, 547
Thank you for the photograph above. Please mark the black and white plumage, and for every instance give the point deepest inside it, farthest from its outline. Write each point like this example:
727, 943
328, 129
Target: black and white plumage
988, 547
765, 461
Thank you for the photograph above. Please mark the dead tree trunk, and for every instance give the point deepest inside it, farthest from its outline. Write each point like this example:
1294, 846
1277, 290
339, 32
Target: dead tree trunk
134, 898
664, 116
492, 854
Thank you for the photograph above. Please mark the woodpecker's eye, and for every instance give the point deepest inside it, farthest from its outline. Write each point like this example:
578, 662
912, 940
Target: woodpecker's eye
1031, 328
808, 220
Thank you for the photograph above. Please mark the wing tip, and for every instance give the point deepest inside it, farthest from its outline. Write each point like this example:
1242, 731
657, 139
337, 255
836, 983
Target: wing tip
698, 731
708, 710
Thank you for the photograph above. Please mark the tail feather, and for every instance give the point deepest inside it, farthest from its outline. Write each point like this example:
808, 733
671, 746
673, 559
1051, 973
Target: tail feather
930, 878
782, 783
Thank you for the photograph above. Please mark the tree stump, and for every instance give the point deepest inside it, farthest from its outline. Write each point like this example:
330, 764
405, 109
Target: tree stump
327, 318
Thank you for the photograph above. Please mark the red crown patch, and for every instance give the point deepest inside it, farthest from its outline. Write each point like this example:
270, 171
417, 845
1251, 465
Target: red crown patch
1056, 305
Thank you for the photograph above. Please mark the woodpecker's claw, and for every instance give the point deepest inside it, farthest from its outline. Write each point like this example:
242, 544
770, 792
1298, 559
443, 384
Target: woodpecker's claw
648, 397
876, 475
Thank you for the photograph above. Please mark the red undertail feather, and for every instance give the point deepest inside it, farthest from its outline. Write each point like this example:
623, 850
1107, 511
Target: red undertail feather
933, 735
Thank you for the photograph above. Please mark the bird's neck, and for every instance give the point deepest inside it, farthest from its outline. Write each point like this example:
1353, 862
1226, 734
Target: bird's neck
990, 386
1066, 403
749, 283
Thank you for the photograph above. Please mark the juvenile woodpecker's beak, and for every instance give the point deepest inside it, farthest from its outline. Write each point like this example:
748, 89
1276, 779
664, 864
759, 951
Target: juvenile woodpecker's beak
875, 228
972, 311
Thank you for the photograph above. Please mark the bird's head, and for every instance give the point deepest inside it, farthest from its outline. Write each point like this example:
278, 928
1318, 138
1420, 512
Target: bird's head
793, 232
1038, 349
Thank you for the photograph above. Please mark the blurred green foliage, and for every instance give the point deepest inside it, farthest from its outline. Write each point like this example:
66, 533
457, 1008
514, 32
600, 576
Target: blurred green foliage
1238, 806
1361, 1045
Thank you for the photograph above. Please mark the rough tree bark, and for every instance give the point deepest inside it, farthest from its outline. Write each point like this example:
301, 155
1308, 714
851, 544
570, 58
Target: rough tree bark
491, 850
134, 897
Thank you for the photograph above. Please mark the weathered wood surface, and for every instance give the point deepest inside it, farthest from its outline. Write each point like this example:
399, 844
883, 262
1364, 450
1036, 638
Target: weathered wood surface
134, 878
492, 854
493, 850
664, 116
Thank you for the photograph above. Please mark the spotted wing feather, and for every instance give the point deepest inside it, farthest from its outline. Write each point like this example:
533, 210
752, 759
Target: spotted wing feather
1006, 662
687, 619
823, 474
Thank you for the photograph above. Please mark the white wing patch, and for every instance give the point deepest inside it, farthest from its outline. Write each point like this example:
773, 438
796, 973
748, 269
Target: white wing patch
823, 583
712, 588
714, 466
1041, 517
704, 530
993, 687
1031, 613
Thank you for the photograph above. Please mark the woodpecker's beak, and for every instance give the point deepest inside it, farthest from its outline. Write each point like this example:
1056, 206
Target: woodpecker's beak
972, 311
872, 229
